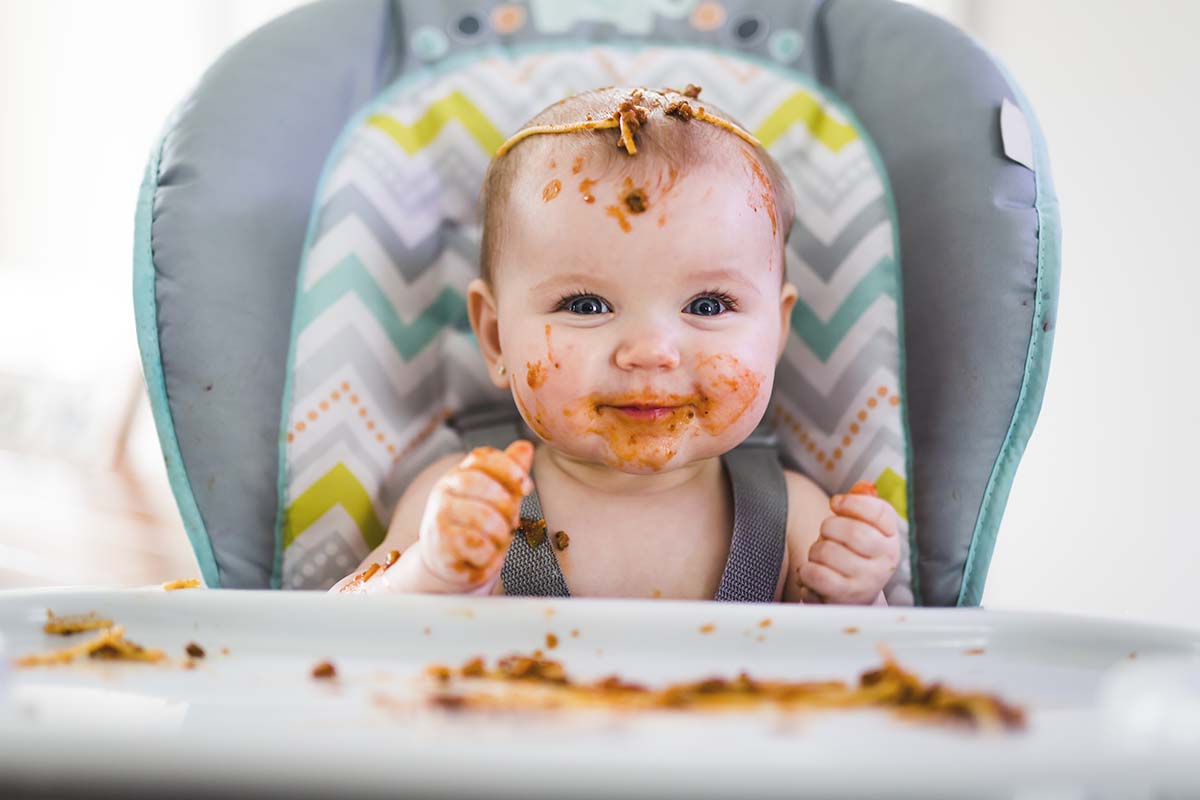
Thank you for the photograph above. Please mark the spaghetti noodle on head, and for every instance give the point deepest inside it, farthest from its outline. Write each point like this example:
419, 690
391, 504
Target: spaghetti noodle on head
626, 132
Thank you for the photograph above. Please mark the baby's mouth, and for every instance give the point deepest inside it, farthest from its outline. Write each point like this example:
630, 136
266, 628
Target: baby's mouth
647, 413
647, 409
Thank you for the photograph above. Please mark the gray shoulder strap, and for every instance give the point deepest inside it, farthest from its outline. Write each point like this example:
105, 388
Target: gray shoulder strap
532, 569
759, 525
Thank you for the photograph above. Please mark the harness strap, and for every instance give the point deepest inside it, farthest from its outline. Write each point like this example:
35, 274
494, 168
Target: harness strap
759, 525
533, 571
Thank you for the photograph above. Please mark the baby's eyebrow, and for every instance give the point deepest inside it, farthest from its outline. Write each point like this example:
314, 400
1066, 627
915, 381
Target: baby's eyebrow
723, 276
594, 281
573, 279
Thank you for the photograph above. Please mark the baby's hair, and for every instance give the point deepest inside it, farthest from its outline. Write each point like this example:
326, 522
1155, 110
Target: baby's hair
630, 129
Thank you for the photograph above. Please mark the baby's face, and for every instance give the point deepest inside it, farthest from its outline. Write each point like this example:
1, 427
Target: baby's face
640, 321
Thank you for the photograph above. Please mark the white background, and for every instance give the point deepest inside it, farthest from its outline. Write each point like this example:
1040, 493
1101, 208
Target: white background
1102, 518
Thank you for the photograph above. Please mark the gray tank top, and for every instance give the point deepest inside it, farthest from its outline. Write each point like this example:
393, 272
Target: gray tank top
759, 519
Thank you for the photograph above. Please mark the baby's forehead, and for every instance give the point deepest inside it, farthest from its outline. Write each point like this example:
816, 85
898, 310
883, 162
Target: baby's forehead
592, 155
661, 218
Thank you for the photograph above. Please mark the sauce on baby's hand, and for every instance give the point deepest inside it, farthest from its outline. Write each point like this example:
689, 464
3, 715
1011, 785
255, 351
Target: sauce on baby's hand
864, 487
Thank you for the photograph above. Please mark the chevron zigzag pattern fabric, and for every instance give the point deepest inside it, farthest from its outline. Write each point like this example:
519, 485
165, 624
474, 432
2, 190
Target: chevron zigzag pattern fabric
382, 353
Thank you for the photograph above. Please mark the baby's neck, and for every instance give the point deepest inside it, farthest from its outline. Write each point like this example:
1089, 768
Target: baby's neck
603, 479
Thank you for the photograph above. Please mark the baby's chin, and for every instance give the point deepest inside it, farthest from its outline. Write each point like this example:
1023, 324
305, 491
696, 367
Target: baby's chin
642, 441
639, 456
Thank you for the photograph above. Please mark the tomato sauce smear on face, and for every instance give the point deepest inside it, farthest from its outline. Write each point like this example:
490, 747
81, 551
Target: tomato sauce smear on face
643, 429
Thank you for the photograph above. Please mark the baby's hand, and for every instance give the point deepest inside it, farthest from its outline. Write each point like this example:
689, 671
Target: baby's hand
857, 551
471, 513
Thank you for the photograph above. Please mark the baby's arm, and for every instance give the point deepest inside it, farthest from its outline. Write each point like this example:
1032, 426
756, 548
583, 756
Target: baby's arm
808, 505
403, 531
846, 558
452, 526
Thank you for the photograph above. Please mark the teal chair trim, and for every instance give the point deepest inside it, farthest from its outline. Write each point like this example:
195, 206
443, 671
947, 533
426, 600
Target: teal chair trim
1037, 362
145, 312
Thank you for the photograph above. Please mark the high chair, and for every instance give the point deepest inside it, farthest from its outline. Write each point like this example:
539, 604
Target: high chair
307, 226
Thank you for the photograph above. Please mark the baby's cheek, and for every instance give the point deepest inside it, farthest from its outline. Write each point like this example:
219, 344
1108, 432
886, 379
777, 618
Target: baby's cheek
543, 385
728, 390
530, 404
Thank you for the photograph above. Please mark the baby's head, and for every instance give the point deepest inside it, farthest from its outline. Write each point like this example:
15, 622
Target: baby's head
635, 302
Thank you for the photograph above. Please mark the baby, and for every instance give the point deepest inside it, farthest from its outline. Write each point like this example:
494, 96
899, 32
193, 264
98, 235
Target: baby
633, 299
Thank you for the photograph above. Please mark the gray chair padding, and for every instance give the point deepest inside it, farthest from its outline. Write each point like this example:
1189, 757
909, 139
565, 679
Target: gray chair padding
224, 214
969, 236
237, 175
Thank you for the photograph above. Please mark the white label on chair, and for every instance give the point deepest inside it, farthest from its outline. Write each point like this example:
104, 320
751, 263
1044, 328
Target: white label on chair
1014, 134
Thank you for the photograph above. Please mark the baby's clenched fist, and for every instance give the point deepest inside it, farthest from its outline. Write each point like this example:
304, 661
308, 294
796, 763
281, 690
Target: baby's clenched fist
857, 551
472, 512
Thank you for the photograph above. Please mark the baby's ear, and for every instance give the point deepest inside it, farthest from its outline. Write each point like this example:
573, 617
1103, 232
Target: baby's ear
481, 310
787, 301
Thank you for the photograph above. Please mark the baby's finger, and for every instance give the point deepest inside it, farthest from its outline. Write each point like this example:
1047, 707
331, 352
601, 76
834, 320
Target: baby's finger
874, 511
521, 452
835, 556
856, 535
809, 597
477, 516
475, 485
821, 579
490, 461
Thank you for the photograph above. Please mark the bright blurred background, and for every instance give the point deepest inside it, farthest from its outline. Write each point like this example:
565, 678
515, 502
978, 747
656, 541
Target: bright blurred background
1098, 522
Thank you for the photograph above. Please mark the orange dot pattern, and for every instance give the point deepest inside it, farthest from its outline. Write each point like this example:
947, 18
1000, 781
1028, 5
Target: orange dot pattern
817, 446
343, 392
708, 16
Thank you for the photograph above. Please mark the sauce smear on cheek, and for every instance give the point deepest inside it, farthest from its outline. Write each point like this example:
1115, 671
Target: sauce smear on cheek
535, 378
536, 419
535, 374
550, 349
727, 388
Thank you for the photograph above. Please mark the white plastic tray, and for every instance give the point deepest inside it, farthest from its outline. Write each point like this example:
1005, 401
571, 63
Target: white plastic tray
1101, 723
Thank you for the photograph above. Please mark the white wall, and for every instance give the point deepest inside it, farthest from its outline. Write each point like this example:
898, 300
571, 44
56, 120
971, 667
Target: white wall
85, 87
1103, 517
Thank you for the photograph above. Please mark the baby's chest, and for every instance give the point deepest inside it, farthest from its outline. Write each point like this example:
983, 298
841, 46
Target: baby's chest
640, 550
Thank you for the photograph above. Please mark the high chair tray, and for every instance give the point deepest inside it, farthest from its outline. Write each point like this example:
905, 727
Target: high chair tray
1113, 709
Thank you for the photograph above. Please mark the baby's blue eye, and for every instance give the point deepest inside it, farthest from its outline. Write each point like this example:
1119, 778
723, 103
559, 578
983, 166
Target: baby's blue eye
585, 304
706, 307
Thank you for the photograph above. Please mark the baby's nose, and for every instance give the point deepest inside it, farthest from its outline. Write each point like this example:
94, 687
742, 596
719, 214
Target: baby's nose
647, 350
